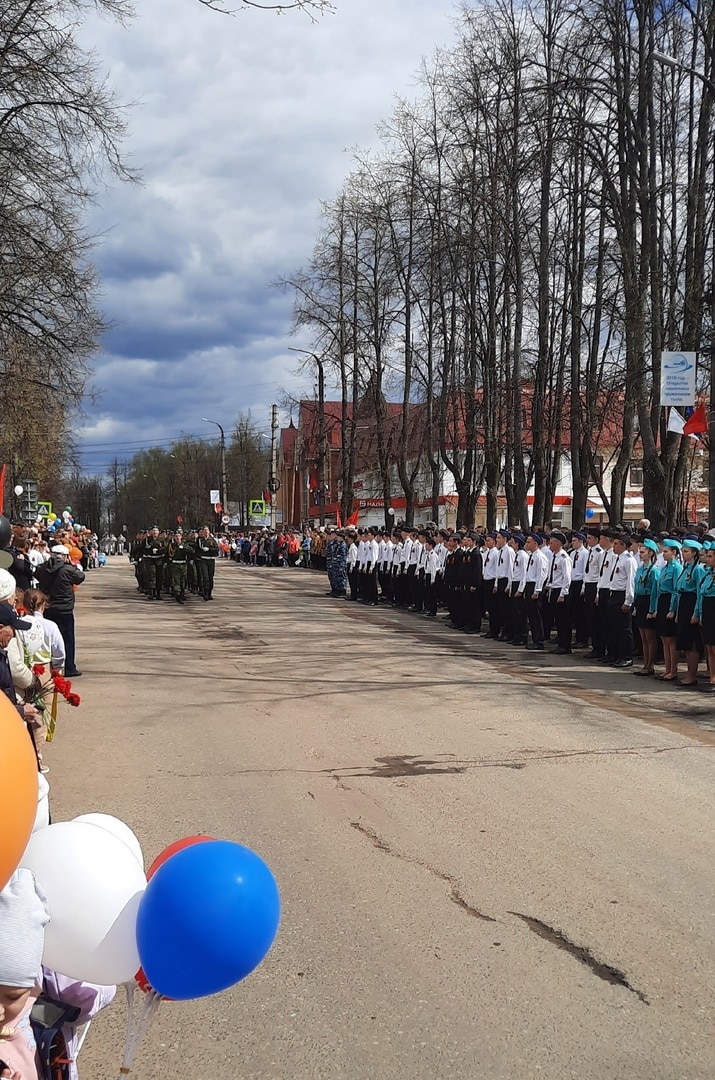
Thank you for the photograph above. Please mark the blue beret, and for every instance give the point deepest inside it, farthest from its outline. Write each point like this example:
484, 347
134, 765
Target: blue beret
691, 542
579, 536
670, 543
651, 545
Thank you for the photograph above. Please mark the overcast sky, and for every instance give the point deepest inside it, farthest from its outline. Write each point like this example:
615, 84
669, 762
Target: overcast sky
240, 125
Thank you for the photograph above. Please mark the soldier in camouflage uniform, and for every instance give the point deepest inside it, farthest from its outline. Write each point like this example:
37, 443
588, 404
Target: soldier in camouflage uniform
191, 565
178, 556
206, 555
152, 559
136, 552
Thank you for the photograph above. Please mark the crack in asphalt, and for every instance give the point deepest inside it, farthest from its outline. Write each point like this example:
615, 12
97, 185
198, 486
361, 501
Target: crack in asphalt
606, 972
455, 895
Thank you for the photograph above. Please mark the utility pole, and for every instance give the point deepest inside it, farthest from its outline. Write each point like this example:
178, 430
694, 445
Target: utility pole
273, 481
224, 490
321, 439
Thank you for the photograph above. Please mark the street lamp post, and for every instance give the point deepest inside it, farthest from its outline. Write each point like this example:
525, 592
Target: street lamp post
224, 491
673, 62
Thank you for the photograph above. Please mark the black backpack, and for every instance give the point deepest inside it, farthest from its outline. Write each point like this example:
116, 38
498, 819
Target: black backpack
47, 1018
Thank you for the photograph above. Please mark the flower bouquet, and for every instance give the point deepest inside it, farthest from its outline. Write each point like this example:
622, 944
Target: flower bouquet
56, 686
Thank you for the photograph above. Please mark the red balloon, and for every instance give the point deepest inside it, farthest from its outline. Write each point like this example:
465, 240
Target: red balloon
172, 849
178, 845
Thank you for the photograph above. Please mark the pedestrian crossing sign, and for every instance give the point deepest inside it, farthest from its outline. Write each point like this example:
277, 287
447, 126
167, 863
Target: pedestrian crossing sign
44, 509
257, 508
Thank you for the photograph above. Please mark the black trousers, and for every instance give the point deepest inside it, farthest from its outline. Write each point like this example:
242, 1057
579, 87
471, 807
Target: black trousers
602, 623
503, 599
590, 612
519, 624
578, 610
65, 625
533, 614
561, 615
620, 627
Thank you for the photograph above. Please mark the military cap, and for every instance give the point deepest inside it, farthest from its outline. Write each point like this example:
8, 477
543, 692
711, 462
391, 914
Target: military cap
579, 536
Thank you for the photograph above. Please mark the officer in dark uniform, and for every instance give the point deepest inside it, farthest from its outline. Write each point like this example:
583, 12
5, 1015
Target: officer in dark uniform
206, 555
471, 577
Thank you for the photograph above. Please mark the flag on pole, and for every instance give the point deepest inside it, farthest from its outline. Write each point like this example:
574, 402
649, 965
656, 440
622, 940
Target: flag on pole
698, 422
676, 422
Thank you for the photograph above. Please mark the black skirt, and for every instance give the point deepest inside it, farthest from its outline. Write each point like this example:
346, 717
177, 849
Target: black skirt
640, 613
688, 636
665, 627
707, 624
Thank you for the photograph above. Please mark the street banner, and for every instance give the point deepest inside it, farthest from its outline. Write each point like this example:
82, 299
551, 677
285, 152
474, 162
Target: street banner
677, 378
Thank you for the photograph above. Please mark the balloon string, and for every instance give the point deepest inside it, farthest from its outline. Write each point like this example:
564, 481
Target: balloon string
137, 1027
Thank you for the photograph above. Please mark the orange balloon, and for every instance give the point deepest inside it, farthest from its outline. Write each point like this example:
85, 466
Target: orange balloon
18, 790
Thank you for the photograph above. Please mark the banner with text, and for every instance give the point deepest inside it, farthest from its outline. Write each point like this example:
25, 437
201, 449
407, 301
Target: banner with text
677, 378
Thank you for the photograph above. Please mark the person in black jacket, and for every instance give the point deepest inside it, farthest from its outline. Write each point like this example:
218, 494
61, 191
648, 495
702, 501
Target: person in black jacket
57, 578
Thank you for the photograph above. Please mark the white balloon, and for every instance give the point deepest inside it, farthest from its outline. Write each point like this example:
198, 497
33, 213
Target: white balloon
19, 489
94, 886
118, 829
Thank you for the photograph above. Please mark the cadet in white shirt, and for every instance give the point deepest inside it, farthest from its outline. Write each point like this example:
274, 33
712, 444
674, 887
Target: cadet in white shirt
592, 570
603, 590
535, 581
519, 623
621, 582
578, 556
500, 625
558, 585
490, 556
352, 567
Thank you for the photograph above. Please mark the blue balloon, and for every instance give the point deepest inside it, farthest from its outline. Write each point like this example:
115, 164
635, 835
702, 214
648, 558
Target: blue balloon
208, 917
590, 512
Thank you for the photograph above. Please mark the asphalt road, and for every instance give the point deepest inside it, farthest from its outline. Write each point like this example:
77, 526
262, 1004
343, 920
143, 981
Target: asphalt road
491, 866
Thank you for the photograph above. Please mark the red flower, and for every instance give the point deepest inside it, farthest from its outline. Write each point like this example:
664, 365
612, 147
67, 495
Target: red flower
61, 684
72, 699
38, 669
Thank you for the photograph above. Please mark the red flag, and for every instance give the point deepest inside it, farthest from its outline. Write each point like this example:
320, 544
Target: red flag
266, 496
3, 470
338, 519
354, 518
698, 422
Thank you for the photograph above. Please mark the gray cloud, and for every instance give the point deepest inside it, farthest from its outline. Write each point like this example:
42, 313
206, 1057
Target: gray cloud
241, 130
